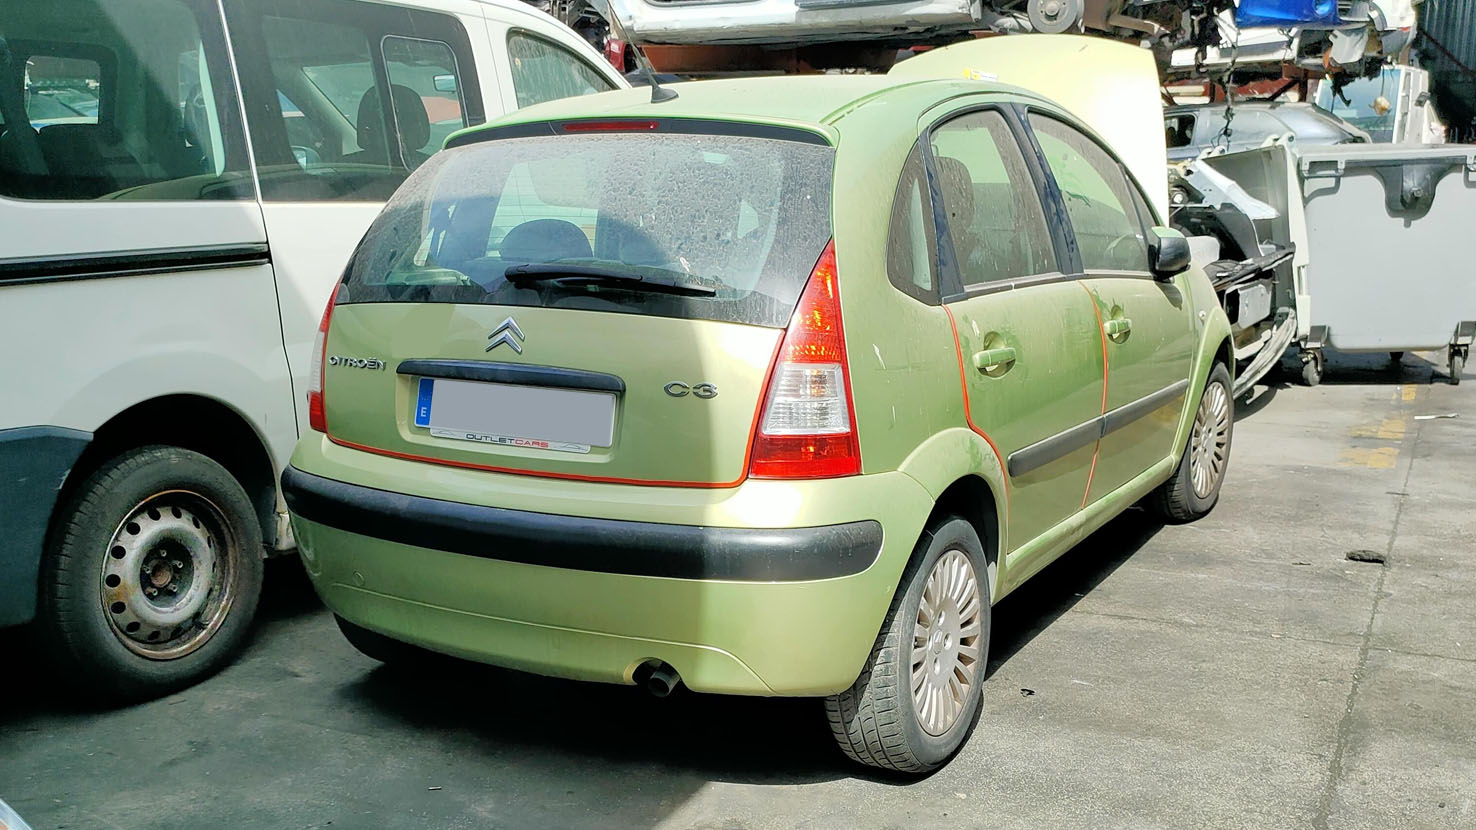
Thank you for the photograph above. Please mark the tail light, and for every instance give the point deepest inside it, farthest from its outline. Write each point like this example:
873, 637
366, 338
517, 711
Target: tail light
316, 417
808, 426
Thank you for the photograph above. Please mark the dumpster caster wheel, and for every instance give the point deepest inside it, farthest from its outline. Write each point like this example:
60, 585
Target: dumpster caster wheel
1457, 364
1312, 364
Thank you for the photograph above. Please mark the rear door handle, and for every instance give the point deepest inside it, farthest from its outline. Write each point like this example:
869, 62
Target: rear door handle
1119, 327
992, 361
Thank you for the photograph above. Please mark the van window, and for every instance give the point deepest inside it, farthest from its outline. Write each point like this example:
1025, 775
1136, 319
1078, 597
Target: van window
727, 227
544, 71
345, 98
74, 132
428, 68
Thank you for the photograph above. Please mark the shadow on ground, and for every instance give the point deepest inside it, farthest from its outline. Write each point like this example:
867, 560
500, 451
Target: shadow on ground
1032, 607
762, 740
1369, 368
492, 719
287, 595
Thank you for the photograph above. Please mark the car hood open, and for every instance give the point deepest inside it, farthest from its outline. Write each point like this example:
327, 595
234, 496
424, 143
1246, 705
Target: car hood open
1112, 87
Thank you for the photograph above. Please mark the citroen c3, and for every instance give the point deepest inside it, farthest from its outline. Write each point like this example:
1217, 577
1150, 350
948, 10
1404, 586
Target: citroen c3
773, 388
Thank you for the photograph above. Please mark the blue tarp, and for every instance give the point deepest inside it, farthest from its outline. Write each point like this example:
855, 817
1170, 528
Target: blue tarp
1286, 12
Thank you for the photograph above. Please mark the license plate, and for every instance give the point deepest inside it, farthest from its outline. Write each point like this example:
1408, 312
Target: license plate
565, 420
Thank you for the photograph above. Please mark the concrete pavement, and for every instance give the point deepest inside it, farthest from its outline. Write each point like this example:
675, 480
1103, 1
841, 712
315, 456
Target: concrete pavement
1239, 673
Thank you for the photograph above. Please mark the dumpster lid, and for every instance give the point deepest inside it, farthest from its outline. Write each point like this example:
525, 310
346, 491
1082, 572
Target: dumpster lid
1410, 172
1366, 154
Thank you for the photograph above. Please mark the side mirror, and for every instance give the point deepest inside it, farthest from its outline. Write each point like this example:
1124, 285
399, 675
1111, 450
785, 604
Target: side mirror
1169, 251
444, 83
1423, 99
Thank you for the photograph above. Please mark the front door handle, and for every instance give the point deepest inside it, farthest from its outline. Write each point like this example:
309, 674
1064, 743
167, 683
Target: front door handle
1118, 328
995, 361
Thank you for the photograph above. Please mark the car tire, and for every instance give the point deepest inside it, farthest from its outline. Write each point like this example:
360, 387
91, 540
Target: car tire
151, 576
880, 721
1194, 489
376, 646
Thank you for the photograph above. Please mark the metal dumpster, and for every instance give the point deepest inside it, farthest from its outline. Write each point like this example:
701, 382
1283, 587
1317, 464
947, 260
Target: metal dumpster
1391, 233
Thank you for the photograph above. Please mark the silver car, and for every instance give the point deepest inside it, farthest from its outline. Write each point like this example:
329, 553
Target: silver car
789, 21
1190, 130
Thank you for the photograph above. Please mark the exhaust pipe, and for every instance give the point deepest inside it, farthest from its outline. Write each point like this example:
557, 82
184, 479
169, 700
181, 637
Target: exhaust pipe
658, 678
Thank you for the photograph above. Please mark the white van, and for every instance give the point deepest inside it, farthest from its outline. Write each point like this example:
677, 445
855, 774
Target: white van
181, 183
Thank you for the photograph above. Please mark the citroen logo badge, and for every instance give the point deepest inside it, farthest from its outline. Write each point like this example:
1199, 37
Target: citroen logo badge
507, 332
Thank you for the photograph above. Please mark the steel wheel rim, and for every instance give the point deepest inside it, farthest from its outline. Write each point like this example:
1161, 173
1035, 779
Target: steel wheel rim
1209, 443
945, 642
169, 575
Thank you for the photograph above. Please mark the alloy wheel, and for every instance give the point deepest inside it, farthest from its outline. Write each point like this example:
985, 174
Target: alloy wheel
945, 648
1210, 440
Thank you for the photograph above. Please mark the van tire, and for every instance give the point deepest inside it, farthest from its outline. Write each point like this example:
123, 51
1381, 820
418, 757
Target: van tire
166, 489
1176, 500
875, 721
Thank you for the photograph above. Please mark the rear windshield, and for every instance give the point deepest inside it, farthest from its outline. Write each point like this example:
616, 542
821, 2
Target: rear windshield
737, 221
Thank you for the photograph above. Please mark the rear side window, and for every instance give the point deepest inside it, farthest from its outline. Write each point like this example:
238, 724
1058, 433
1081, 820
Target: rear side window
739, 220
1178, 130
910, 240
73, 132
1096, 191
62, 90
995, 220
544, 71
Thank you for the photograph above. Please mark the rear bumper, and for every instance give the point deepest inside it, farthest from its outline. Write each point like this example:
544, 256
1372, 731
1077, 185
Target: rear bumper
34, 461
768, 21
587, 544
766, 588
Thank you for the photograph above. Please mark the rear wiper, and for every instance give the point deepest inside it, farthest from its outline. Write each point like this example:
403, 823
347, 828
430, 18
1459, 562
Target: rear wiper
581, 275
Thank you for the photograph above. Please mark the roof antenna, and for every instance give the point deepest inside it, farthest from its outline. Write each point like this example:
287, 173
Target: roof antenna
659, 93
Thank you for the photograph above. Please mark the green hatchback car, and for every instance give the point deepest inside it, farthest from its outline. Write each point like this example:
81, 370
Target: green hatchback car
771, 389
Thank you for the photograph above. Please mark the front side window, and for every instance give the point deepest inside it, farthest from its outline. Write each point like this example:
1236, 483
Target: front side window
73, 130
994, 216
1108, 231
544, 71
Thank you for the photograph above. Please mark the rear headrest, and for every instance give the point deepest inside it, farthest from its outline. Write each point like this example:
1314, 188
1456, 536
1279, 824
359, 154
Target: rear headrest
544, 240
958, 192
410, 117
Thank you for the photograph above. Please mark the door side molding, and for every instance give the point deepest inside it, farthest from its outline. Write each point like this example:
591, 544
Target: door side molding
1046, 450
